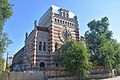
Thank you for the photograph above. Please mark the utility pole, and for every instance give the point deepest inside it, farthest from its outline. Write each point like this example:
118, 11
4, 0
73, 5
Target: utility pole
7, 74
6, 62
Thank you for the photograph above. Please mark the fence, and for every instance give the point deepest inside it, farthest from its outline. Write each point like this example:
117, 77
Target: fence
49, 74
32, 75
22, 76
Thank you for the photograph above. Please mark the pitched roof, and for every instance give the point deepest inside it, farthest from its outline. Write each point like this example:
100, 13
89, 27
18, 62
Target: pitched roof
42, 28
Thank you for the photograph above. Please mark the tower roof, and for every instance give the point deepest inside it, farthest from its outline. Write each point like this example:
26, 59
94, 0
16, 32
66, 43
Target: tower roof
45, 29
55, 9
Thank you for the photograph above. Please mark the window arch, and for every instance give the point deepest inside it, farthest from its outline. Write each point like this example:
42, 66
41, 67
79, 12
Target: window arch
72, 24
40, 46
56, 46
44, 46
55, 20
58, 20
42, 64
56, 64
63, 22
68, 23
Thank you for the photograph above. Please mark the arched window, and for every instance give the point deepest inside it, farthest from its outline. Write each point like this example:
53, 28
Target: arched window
42, 64
72, 24
60, 21
68, 23
56, 46
55, 20
40, 46
56, 64
44, 46
63, 22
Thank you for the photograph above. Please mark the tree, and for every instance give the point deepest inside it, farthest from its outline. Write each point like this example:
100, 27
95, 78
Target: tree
4, 42
5, 13
107, 53
117, 52
92, 37
110, 53
104, 49
116, 64
2, 63
75, 56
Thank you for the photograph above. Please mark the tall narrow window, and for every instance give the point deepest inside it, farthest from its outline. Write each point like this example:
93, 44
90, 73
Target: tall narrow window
60, 21
56, 46
40, 46
55, 20
63, 22
44, 46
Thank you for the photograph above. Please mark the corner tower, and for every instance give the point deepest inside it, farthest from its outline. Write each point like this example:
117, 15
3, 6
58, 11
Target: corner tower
56, 19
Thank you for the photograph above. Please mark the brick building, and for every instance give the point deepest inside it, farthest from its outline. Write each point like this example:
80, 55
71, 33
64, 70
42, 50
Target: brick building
48, 34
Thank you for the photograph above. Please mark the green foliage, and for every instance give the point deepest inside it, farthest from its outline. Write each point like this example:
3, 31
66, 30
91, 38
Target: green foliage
117, 68
117, 53
2, 64
105, 51
4, 42
75, 56
5, 12
92, 36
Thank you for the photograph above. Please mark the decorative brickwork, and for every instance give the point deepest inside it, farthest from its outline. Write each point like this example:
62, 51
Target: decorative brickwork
41, 44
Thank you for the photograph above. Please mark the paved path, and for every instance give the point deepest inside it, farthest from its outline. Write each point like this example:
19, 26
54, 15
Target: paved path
115, 78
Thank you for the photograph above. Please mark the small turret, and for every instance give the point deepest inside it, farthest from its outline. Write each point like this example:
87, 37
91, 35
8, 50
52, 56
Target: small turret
26, 35
64, 13
35, 23
75, 18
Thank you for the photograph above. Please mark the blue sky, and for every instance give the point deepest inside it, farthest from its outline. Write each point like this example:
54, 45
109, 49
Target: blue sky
26, 11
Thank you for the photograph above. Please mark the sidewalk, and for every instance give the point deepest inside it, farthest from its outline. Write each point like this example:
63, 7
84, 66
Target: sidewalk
114, 78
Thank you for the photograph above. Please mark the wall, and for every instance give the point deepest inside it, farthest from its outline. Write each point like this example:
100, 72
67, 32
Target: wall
37, 75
